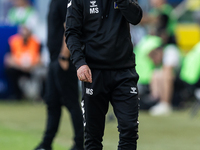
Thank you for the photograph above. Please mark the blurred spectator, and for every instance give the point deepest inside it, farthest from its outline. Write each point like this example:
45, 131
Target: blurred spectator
161, 60
22, 13
167, 62
190, 70
187, 83
144, 65
160, 7
23, 58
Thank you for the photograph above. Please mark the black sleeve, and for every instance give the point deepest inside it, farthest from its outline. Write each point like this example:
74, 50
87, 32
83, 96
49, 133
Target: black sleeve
73, 32
56, 19
130, 10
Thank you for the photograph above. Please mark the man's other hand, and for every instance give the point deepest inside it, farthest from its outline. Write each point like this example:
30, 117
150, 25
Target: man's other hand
84, 74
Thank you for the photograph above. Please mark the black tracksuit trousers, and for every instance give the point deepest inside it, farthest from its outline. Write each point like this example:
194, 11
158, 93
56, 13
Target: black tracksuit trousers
120, 88
62, 89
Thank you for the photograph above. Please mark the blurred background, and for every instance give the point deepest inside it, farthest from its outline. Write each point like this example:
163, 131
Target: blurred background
167, 48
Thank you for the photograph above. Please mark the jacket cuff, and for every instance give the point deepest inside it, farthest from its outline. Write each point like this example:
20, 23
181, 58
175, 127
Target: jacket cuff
80, 63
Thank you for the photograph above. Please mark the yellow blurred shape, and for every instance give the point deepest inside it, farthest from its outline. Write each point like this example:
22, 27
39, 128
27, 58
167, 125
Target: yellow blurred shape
187, 35
193, 4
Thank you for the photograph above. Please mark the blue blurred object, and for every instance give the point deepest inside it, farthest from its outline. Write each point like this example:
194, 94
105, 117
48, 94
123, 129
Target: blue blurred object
32, 1
174, 2
6, 32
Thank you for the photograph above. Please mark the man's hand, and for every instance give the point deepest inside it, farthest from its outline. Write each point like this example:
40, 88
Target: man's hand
84, 74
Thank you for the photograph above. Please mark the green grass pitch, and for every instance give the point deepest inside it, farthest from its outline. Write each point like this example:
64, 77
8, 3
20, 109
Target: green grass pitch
22, 125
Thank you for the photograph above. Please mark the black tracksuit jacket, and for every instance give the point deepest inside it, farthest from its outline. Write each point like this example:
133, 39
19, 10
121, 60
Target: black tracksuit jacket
98, 34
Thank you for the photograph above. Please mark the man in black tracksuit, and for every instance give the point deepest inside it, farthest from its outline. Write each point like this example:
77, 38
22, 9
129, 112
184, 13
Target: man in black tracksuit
62, 82
98, 37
